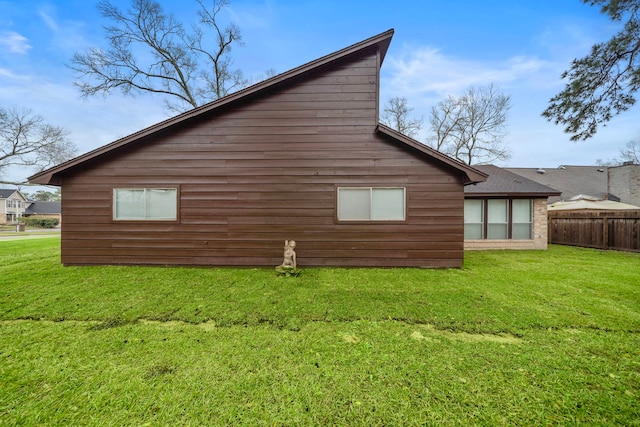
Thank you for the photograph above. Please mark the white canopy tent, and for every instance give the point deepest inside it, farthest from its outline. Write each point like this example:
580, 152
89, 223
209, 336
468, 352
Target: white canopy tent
584, 202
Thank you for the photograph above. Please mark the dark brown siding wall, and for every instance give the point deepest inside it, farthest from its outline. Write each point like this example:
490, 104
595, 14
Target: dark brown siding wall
267, 171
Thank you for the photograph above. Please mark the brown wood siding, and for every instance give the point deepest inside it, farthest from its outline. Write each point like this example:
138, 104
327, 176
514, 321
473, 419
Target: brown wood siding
266, 171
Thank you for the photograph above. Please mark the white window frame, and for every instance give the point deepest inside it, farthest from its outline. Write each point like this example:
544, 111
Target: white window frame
145, 216
372, 208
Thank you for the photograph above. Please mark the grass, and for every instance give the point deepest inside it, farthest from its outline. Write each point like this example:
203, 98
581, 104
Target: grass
513, 338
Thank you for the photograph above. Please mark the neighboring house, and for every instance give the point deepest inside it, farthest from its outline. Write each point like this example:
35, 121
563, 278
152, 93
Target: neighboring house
570, 181
43, 209
12, 205
507, 211
616, 183
624, 183
300, 156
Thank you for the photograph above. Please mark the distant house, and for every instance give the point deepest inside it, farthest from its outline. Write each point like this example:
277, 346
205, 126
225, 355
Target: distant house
12, 205
300, 156
43, 209
616, 183
570, 181
507, 211
624, 183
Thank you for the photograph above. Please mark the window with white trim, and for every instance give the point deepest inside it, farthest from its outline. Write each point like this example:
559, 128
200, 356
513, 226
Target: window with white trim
473, 219
145, 204
498, 219
371, 203
521, 219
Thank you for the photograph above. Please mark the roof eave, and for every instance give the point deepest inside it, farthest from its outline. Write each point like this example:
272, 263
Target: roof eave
506, 194
44, 178
382, 41
472, 175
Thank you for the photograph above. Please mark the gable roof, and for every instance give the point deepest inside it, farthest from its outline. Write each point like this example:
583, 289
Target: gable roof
570, 181
378, 43
42, 208
503, 183
6, 192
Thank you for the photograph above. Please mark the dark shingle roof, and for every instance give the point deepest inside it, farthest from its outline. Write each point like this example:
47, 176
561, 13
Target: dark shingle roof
44, 208
502, 182
569, 180
6, 192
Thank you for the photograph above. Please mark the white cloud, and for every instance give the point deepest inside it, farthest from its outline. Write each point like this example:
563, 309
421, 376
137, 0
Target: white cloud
48, 20
427, 72
14, 42
425, 76
10, 75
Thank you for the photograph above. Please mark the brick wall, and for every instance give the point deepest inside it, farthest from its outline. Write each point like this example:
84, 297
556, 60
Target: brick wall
624, 182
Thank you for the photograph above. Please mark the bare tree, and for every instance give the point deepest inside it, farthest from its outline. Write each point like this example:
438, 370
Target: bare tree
396, 116
471, 128
446, 119
27, 141
151, 52
629, 153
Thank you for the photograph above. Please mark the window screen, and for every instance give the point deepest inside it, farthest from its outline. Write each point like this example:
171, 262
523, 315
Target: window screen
145, 204
371, 204
522, 218
473, 219
497, 219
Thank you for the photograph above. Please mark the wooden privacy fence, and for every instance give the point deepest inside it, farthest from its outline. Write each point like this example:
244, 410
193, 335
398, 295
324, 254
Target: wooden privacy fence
618, 230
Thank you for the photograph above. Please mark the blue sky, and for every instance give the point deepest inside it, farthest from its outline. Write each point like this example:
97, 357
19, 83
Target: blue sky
440, 48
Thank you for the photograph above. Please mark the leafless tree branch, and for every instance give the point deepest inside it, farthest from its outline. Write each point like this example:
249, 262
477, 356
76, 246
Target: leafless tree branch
396, 115
471, 128
151, 52
26, 140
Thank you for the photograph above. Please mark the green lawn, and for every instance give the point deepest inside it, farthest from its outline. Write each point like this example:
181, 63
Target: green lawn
513, 338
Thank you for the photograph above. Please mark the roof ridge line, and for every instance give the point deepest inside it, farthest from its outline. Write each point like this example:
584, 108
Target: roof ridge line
382, 39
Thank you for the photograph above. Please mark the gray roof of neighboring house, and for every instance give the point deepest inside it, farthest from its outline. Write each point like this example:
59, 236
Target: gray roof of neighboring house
570, 180
503, 183
6, 192
44, 208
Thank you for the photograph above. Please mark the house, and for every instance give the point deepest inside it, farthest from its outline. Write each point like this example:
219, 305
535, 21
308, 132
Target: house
616, 183
624, 183
12, 205
300, 156
507, 211
44, 209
